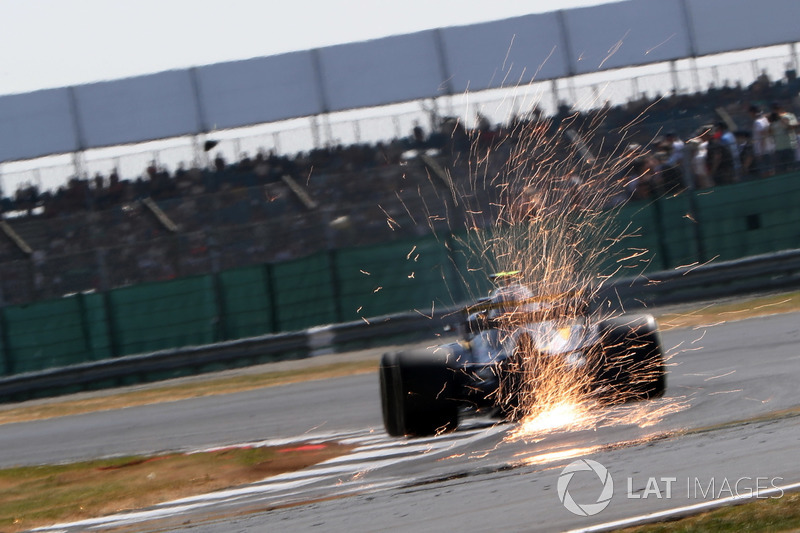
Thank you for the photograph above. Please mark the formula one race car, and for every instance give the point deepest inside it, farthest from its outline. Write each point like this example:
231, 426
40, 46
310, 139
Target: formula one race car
514, 350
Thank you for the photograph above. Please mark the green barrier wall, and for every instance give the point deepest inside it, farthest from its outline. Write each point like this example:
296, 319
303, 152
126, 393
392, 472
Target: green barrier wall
392, 278
96, 326
305, 292
750, 218
246, 298
677, 244
632, 243
657, 235
45, 335
424, 273
155, 316
470, 279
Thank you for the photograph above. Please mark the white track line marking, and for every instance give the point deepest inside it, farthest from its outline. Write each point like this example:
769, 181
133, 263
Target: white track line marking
378, 451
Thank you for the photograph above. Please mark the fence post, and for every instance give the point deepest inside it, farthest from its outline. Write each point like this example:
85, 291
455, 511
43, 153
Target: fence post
698, 226
221, 333
5, 358
85, 331
457, 281
663, 249
269, 282
8, 364
336, 289
113, 340
102, 269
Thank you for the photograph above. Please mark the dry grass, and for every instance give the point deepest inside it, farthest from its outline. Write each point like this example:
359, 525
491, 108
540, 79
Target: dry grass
730, 311
43, 495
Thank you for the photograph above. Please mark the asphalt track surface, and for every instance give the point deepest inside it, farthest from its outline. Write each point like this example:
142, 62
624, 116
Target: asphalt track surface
728, 425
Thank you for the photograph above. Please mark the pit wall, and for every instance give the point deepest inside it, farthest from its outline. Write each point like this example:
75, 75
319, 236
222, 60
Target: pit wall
426, 273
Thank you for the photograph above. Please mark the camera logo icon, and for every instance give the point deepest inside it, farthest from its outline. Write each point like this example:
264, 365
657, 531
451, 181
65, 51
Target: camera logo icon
585, 509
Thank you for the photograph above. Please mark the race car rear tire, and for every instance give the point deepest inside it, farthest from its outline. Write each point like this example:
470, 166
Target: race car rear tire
386, 372
423, 388
633, 359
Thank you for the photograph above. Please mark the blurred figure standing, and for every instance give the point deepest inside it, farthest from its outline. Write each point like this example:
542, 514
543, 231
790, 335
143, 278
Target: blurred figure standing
719, 159
761, 140
782, 126
728, 140
672, 168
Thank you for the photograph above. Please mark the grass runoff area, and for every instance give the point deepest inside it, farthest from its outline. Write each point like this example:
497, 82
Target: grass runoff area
43, 495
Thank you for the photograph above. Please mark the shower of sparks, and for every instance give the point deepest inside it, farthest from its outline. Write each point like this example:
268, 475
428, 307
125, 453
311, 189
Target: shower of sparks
662, 43
539, 197
550, 457
720, 376
642, 414
589, 415
565, 416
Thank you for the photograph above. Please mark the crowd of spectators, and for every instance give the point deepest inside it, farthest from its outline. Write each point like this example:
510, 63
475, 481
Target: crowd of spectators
715, 154
242, 212
102, 192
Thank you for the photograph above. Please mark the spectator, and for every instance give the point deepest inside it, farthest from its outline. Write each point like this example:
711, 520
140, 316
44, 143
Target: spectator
672, 167
697, 152
245, 163
719, 159
747, 154
728, 140
634, 180
762, 144
419, 142
219, 162
782, 126
486, 135
116, 189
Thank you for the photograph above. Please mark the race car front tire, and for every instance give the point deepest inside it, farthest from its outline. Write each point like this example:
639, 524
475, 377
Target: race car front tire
386, 372
417, 394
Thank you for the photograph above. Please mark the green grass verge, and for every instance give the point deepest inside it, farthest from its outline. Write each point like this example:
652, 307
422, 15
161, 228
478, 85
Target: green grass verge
767, 515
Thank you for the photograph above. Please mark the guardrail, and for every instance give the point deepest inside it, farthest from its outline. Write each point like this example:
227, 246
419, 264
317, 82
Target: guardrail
692, 283
774, 271
261, 349
168, 363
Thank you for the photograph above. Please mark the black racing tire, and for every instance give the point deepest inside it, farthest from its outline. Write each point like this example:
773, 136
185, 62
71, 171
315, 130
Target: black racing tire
386, 372
632, 359
513, 372
424, 394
